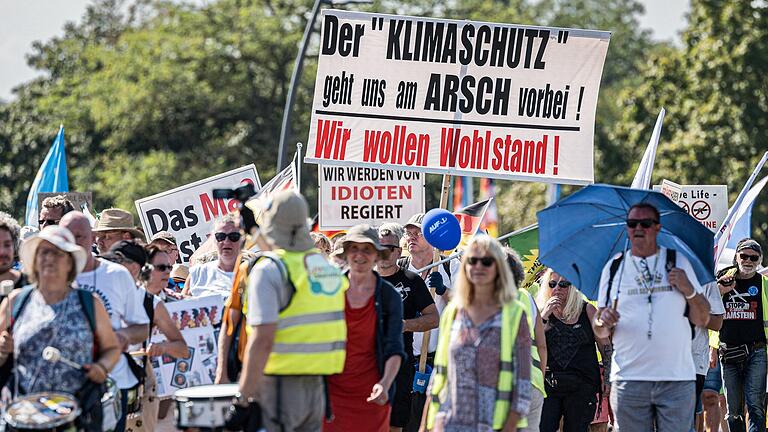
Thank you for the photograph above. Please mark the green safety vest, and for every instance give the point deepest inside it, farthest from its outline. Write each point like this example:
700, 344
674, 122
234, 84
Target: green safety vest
511, 314
311, 331
537, 376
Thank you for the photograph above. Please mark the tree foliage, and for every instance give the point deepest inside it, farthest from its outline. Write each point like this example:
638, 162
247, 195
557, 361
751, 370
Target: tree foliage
154, 94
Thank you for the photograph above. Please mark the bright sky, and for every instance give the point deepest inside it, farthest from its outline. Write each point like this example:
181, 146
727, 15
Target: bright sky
23, 22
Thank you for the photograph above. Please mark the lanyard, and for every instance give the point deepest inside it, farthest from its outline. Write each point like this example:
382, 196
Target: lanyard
647, 278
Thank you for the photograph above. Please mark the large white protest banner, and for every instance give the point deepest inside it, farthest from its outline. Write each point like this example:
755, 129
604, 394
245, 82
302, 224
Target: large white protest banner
352, 195
708, 204
456, 97
195, 318
189, 211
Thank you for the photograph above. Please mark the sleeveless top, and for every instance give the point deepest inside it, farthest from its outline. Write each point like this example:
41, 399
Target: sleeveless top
62, 325
571, 347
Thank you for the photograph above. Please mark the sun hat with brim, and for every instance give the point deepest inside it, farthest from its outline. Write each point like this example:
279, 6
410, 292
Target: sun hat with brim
284, 222
415, 221
115, 219
364, 233
180, 271
58, 236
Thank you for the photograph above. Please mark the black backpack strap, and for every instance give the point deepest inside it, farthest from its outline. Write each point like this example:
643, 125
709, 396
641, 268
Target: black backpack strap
20, 302
614, 268
671, 260
149, 308
404, 262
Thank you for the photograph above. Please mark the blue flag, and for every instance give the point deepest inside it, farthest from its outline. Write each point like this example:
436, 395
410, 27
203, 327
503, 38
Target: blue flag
51, 177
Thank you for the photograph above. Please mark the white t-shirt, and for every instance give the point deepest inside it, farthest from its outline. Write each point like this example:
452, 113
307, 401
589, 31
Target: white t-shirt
700, 343
208, 279
124, 303
439, 302
666, 356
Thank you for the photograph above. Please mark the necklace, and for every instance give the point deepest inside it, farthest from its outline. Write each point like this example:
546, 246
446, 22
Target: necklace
647, 279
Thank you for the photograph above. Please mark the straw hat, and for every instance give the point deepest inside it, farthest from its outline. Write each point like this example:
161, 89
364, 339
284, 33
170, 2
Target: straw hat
115, 219
58, 236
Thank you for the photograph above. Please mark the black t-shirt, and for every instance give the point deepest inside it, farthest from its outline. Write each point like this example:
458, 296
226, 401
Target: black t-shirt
743, 322
415, 297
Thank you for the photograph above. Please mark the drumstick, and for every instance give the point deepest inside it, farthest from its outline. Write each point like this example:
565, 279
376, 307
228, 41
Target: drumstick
53, 355
139, 353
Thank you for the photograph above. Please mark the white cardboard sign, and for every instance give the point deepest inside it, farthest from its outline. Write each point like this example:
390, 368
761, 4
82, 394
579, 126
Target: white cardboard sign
352, 195
189, 211
707, 203
456, 97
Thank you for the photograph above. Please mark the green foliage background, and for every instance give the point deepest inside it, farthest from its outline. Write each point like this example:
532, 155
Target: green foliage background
155, 94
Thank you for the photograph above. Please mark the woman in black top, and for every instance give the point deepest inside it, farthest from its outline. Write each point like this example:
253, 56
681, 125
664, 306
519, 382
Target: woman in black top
572, 378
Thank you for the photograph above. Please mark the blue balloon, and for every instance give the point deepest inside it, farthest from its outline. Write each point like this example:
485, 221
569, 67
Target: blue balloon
441, 229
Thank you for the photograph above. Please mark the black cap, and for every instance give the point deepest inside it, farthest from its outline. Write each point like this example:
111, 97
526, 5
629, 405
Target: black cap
127, 249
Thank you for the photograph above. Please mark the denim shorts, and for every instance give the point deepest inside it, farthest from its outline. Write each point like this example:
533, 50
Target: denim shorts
714, 380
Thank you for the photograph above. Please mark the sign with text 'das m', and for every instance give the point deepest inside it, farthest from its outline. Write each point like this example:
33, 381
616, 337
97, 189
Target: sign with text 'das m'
456, 97
189, 212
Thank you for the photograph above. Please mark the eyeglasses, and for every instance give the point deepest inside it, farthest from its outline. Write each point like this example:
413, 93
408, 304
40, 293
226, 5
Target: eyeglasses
561, 284
753, 258
645, 223
46, 222
233, 236
391, 247
163, 267
413, 234
485, 261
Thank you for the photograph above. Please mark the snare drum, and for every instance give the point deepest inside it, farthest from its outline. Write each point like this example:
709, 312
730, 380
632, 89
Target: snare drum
45, 411
110, 406
204, 406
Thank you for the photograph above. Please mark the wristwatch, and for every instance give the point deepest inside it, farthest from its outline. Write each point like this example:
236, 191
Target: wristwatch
242, 400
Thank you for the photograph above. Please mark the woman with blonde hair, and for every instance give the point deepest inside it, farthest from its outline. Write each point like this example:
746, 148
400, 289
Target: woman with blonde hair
482, 375
572, 378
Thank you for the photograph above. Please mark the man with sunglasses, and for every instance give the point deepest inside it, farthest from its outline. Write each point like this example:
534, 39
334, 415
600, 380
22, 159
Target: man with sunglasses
53, 209
649, 297
215, 277
743, 337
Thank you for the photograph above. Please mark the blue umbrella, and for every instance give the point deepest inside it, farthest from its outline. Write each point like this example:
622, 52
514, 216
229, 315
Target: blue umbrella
579, 234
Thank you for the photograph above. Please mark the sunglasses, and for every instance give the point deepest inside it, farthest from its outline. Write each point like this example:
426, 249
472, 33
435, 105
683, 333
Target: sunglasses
163, 267
561, 284
645, 223
485, 261
391, 247
233, 236
46, 222
753, 258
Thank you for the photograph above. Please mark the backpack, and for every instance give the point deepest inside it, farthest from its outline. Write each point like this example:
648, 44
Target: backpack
405, 262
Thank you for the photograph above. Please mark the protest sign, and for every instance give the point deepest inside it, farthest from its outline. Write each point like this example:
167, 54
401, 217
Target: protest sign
189, 211
456, 97
195, 318
671, 189
707, 203
76, 198
352, 195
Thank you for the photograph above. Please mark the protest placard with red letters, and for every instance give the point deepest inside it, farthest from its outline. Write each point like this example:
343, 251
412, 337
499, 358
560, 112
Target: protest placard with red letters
456, 97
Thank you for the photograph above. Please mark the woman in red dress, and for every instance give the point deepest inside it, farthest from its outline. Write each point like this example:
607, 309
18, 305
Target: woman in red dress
360, 395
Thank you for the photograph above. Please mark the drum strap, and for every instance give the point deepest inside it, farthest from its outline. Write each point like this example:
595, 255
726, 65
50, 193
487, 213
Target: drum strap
328, 407
279, 404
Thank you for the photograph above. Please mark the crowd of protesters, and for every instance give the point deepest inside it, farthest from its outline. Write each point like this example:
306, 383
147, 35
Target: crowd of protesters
350, 334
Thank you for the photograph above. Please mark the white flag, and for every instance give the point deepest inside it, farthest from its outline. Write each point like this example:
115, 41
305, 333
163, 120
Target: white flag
643, 176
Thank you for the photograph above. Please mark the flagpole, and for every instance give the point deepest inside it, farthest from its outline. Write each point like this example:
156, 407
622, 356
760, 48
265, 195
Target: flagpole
297, 164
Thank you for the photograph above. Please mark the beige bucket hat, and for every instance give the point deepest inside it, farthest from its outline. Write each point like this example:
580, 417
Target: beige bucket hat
115, 219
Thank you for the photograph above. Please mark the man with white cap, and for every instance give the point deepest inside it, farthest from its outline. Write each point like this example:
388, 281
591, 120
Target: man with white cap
123, 300
296, 328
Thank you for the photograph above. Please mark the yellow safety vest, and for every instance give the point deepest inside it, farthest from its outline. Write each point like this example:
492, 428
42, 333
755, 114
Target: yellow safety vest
714, 337
311, 332
511, 314
537, 376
